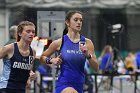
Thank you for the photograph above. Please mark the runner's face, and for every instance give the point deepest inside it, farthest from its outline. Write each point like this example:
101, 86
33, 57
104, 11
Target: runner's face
28, 33
75, 22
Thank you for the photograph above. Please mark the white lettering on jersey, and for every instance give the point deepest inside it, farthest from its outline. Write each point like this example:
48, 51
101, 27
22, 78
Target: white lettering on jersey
22, 65
74, 52
31, 58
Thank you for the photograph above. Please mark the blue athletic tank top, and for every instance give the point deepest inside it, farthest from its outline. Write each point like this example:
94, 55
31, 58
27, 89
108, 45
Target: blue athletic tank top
16, 70
73, 61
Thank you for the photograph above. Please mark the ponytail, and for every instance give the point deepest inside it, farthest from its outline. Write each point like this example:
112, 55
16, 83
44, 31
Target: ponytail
65, 31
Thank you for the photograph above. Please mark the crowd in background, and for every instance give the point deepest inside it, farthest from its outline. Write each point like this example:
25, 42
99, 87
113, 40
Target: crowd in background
108, 63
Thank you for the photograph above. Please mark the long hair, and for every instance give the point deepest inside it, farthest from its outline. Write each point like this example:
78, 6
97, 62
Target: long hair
106, 50
68, 17
20, 28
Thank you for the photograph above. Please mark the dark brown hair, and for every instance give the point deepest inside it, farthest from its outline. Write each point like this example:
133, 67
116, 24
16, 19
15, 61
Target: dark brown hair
21, 27
68, 17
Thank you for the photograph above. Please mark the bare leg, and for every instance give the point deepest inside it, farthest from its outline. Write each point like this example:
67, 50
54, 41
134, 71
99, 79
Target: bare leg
69, 90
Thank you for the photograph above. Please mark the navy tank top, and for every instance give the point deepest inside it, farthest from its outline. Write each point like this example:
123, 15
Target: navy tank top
16, 70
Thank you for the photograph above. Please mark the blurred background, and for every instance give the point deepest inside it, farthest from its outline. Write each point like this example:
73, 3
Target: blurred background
98, 15
106, 22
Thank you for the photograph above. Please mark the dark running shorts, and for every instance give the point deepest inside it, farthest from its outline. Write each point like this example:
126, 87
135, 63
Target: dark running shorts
5, 90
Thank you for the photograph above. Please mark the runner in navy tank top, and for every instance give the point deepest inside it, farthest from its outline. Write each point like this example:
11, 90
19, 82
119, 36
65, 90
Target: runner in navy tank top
74, 49
18, 60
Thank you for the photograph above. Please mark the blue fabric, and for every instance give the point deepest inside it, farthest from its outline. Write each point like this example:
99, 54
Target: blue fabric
138, 60
43, 70
61, 85
60, 88
72, 67
104, 62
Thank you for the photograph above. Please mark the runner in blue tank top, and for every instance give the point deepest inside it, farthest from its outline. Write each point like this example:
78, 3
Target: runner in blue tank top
74, 49
18, 60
